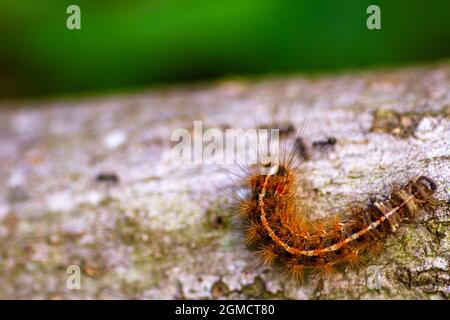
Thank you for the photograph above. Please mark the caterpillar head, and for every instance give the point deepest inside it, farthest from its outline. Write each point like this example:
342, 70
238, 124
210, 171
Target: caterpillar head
422, 188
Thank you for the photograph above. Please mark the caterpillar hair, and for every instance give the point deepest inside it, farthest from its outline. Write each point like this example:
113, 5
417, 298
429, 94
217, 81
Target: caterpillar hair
276, 221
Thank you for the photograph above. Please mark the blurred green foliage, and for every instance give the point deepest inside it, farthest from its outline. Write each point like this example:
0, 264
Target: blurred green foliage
138, 42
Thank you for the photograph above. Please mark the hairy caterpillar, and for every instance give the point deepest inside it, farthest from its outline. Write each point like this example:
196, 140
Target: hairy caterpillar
277, 225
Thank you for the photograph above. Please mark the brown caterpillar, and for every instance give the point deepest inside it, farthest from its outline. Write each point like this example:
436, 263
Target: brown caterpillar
276, 224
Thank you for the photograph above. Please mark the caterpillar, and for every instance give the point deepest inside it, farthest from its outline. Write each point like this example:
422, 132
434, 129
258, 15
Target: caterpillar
276, 222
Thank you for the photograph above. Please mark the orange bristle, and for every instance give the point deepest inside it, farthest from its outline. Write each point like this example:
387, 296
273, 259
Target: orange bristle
268, 255
246, 208
252, 233
324, 269
295, 270
353, 259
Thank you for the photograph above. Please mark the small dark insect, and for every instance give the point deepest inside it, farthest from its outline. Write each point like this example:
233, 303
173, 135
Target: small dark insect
107, 177
325, 143
284, 129
301, 149
218, 221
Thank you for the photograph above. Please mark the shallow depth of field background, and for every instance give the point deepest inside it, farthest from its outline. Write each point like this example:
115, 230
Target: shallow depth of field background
136, 43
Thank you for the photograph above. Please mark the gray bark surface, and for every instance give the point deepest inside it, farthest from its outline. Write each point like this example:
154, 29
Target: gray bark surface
149, 228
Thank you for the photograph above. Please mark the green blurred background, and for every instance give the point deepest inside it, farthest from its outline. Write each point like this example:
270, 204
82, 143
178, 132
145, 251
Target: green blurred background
134, 43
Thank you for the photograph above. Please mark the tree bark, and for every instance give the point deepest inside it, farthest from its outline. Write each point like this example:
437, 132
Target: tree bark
90, 183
